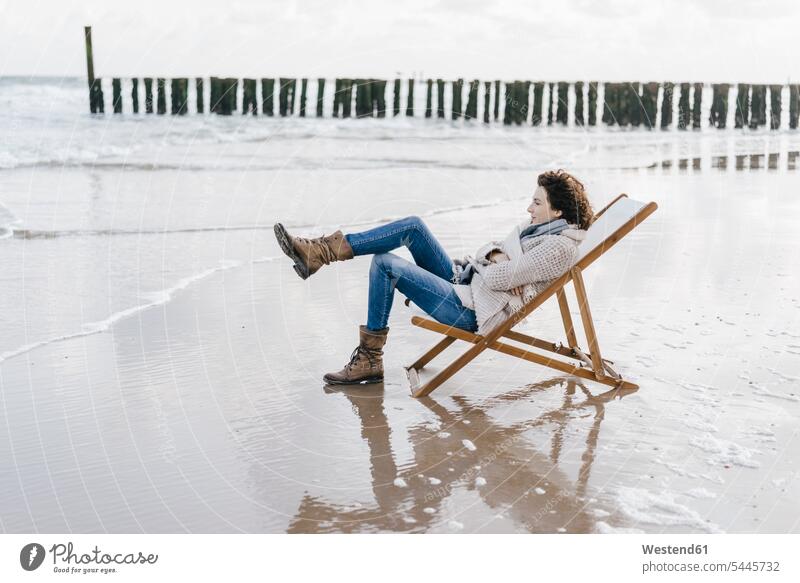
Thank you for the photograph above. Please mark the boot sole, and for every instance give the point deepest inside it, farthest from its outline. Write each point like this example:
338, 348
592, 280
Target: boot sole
286, 246
366, 381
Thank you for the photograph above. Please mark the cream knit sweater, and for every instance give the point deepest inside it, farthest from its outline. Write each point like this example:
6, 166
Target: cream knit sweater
533, 264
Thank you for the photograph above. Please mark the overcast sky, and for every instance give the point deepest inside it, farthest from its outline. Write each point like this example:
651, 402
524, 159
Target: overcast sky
703, 40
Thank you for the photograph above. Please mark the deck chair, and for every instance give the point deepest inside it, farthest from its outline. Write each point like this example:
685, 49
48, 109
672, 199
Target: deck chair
612, 223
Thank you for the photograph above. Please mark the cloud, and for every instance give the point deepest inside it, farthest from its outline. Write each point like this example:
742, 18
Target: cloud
704, 40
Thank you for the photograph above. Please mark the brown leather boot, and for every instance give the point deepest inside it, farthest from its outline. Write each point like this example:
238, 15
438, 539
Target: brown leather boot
366, 362
311, 254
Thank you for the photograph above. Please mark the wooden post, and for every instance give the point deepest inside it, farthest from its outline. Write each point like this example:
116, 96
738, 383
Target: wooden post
410, 100
116, 94
579, 120
525, 88
396, 101
742, 117
429, 99
794, 102
551, 97
175, 96
609, 104
213, 95
303, 96
456, 105
249, 101
199, 98
471, 111
538, 93
516, 103
320, 95
719, 105
232, 94
230, 90
507, 99
95, 87
513, 103
649, 104
87, 34
487, 96
713, 115
337, 97
184, 96
666, 105
161, 103
218, 95
180, 96
148, 95
292, 93
684, 107
697, 103
347, 97
267, 98
379, 94
97, 92
775, 106
563, 102
496, 100
369, 100
366, 98
758, 106
440, 98
634, 104
135, 94
620, 104
592, 117
360, 106
283, 96
472, 102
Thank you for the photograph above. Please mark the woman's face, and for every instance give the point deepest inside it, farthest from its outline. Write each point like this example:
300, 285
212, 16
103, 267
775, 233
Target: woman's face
540, 209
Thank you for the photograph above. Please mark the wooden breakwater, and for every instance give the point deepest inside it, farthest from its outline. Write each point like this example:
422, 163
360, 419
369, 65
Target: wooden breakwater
649, 105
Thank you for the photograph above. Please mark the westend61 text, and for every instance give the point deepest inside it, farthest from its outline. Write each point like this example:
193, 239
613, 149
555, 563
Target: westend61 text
64, 552
671, 550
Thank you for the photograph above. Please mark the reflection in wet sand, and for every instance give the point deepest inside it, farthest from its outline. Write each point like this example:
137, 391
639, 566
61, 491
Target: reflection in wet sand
772, 161
509, 474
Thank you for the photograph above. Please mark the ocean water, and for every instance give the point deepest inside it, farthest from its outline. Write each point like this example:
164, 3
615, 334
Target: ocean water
101, 216
114, 226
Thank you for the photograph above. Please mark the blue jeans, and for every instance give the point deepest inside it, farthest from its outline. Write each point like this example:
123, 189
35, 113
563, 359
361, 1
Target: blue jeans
427, 282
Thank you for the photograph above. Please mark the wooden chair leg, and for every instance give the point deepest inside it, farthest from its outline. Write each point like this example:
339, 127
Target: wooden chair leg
432, 353
588, 324
566, 317
446, 373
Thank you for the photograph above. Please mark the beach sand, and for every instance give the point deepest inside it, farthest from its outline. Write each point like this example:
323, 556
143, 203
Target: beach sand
161, 362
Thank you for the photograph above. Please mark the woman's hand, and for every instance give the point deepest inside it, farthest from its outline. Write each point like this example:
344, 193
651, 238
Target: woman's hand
498, 256
517, 291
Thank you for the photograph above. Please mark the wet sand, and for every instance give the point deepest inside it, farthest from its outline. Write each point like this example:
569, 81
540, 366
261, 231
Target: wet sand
206, 412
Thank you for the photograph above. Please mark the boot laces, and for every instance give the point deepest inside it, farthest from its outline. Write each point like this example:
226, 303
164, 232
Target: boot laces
357, 351
326, 254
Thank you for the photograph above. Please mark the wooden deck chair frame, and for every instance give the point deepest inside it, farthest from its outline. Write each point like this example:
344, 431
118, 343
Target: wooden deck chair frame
590, 364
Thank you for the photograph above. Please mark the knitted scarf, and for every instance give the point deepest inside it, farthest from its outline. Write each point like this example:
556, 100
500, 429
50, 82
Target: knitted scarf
553, 227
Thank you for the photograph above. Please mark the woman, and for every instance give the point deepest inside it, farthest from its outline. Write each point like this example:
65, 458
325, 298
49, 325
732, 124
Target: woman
475, 294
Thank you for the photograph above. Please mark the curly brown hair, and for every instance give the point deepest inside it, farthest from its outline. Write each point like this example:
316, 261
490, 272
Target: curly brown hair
568, 195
